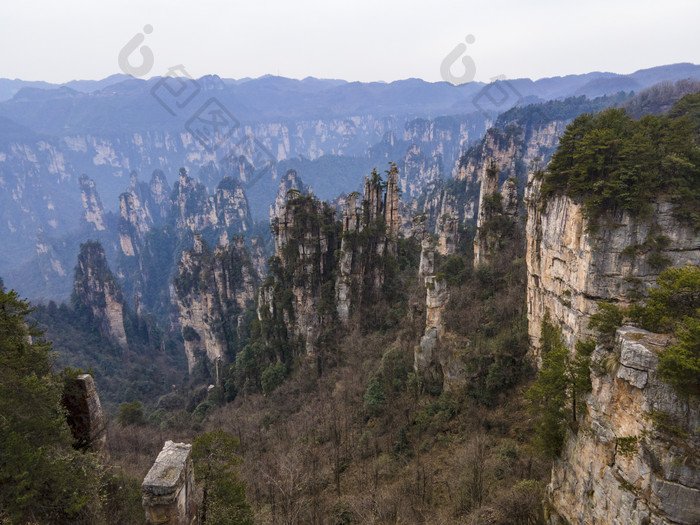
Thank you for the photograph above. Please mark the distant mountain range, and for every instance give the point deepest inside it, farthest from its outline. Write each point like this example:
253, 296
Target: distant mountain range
272, 97
331, 131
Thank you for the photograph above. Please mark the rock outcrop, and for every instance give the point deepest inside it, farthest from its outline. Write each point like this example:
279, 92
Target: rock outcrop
510, 149
290, 181
213, 291
85, 417
96, 288
634, 458
217, 217
93, 212
359, 269
306, 236
571, 268
426, 361
323, 268
168, 489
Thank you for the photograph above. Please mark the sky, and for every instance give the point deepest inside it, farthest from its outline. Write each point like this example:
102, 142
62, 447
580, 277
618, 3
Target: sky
359, 40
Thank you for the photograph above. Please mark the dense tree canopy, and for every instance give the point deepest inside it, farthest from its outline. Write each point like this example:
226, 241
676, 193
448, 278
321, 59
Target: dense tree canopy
612, 162
41, 477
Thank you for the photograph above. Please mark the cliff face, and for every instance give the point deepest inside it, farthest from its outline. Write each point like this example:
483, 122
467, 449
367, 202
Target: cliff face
509, 151
220, 216
93, 212
571, 269
96, 288
141, 207
323, 268
621, 466
213, 291
359, 269
290, 181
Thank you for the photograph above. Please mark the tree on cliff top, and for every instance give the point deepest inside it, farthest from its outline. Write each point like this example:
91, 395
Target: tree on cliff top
611, 162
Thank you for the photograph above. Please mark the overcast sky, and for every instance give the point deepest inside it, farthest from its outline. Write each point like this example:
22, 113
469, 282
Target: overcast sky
362, 40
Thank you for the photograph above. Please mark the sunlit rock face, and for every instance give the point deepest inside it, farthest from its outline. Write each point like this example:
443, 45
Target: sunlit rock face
97, 289
212, 291
620, 466
571, 269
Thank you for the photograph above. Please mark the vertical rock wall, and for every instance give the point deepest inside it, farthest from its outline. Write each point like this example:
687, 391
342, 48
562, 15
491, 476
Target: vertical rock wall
213, 289
96, 288
571, 269
620, 467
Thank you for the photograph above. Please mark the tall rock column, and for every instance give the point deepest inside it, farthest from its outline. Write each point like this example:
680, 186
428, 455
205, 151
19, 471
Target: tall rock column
489, 188
350, 257
425, 358
96, 288
93, 212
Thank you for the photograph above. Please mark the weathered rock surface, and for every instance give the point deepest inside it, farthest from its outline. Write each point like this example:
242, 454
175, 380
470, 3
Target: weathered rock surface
85, 417
306, 236
355, 271
168, 489
328, 267
571, 269
93, 212
290, 181
96, 288
213, 289
622, 466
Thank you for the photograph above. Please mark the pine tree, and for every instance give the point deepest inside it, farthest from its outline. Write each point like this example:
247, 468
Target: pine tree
42, 479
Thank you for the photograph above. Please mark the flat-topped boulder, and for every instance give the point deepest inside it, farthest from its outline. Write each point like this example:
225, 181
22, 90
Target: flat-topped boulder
168, 488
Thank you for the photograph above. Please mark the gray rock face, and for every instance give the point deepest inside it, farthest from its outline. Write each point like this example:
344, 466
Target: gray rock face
571, 269
358, 215
290, 181
93, 211
627, 464
85, 417
213, 289
96, 288
168, 488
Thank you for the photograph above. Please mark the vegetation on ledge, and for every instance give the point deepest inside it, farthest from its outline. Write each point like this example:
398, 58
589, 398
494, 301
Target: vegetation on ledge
611, 162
